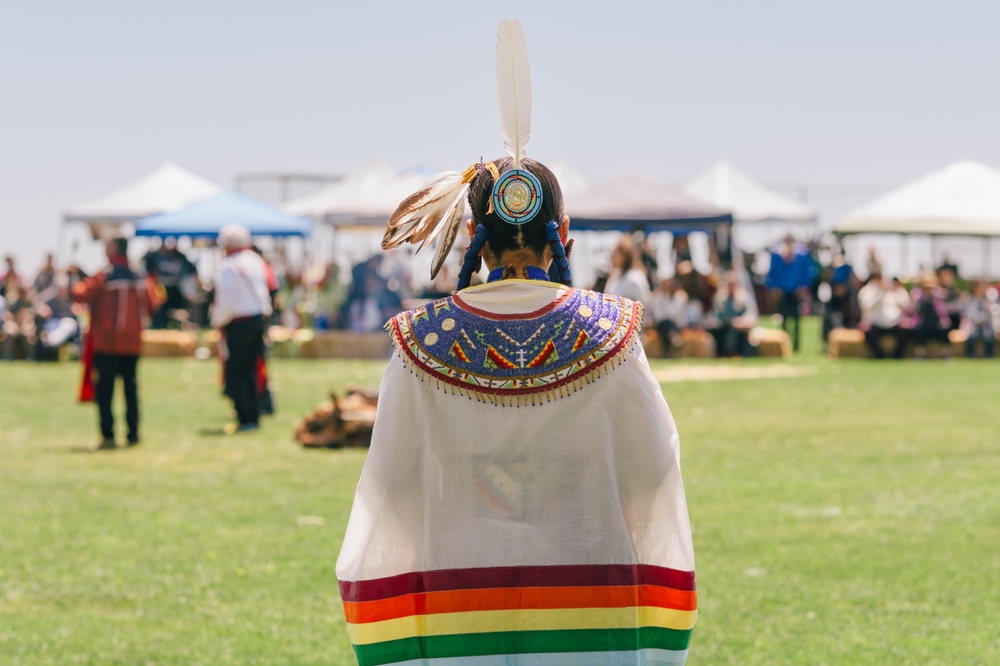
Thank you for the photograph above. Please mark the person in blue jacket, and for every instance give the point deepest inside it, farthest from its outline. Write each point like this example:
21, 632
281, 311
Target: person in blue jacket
792, 272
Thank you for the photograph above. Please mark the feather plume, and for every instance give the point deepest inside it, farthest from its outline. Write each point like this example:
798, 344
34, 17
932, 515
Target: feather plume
424, 215
513, 89
452, 223
418, 207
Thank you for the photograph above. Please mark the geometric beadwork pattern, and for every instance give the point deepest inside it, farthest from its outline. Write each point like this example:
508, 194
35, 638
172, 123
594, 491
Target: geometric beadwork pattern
526, 359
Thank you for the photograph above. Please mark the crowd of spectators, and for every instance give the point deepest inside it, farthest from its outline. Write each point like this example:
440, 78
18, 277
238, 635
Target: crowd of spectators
894, 317
690, 303
38, 318
935, 308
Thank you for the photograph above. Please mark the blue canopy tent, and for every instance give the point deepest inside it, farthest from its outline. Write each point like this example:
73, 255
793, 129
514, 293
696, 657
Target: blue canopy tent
207, 217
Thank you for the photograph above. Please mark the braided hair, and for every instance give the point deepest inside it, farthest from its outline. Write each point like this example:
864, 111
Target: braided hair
501, 236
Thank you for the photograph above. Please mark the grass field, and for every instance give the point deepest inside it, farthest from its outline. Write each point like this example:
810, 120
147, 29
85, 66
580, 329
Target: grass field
851, 516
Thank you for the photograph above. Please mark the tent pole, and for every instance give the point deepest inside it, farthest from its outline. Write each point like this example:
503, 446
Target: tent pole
934, 244
904, 254
987, 243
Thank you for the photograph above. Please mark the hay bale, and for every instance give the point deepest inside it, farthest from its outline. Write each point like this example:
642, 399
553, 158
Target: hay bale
847, 343
771, 342
345, 344
168, 343
697, 344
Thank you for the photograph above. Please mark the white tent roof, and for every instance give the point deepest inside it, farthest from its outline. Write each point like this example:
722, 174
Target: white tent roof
367, 197
167, 189
962, 199
726, 186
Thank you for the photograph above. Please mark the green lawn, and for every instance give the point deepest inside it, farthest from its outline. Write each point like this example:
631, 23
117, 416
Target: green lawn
851, 516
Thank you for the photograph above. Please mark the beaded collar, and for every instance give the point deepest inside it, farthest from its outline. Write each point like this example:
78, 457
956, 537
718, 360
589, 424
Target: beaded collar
526, 359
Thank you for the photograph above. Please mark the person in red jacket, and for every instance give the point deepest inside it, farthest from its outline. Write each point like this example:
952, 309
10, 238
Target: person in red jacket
120, 300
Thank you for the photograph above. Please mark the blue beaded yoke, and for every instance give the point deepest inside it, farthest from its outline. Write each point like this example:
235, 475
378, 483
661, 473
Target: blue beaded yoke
517, 359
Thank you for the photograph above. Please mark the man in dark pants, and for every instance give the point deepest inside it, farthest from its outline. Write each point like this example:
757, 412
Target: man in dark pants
120, 301
109, 367
243, 342
242, 303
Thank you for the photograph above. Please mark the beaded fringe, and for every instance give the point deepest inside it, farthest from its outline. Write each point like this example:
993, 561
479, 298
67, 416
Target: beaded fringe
537, 397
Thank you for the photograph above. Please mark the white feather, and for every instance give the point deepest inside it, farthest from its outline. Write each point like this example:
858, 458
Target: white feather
513, 89
450, 226
412, 216
456, 204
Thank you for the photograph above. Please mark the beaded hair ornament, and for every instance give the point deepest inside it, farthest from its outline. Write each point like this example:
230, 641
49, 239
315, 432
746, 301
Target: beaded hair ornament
437, 210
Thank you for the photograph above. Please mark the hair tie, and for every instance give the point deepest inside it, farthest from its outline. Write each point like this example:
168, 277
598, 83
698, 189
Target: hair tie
558, 252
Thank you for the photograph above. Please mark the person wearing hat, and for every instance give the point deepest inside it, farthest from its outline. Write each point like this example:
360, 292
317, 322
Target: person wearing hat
242, 303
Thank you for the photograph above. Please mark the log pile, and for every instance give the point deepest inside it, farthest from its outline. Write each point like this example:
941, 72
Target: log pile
340, 422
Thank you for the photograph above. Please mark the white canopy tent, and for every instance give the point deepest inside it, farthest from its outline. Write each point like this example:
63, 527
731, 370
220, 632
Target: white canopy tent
761, 217
962, 199
167, 189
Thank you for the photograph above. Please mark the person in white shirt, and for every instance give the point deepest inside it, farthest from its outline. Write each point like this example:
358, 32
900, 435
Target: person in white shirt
882, 307
242, 302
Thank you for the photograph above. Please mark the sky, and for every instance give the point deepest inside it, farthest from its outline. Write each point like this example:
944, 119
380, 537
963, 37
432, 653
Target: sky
849, 97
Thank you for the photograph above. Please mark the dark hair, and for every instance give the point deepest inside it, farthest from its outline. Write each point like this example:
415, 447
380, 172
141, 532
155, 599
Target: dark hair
120, 245
504, 236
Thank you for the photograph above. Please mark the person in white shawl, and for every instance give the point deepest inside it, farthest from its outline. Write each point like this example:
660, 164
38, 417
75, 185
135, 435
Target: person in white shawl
522, 500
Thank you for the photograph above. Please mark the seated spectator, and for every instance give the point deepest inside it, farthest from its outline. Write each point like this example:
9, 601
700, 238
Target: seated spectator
17, 322
55, 322
882, 308
731, 318
977, 320
929, 314
668, 310
842, 310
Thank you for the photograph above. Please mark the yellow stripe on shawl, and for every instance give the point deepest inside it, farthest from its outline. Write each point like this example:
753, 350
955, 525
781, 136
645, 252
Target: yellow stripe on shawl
479, 622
